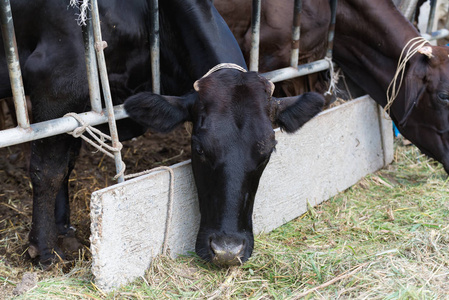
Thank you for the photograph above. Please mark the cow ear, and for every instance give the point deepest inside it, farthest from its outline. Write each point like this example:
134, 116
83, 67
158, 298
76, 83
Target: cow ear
434, 55
413, 94
293, 112
157, 112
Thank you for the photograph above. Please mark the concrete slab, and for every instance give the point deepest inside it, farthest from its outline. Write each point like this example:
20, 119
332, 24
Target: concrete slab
329, 154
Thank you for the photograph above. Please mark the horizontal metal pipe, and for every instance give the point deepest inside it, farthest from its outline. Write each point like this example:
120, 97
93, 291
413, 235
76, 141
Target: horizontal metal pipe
436, 35
301, 70
45, 129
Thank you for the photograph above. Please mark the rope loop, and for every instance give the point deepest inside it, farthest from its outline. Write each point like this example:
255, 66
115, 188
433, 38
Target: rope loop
411, 48
99, 137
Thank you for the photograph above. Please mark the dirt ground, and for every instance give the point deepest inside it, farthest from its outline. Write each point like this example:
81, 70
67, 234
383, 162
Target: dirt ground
93, 171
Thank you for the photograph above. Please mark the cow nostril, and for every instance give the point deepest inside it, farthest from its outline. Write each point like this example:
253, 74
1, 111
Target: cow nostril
227, 252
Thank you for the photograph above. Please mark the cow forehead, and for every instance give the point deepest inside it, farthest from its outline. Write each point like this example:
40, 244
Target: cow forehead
229, 86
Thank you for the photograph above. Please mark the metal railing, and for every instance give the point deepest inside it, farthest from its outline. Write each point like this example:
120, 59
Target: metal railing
95, 63
294, 70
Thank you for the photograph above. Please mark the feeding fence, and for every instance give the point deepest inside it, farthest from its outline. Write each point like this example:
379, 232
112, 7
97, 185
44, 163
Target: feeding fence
331, 158
95, 62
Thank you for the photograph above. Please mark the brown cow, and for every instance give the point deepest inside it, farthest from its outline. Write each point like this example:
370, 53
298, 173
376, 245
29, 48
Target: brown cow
369, 39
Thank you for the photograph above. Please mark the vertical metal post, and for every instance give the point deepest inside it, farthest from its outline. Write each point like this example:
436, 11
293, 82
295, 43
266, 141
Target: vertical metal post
433, 4
330, 38
255, 36
99, 45
155, 50
91, 64
12, 56
296, 33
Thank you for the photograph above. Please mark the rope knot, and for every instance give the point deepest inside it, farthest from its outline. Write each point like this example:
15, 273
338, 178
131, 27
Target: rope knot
333, 81
99, 137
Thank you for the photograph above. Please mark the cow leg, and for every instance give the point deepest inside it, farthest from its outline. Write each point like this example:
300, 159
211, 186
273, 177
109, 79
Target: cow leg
62, 205
49, 171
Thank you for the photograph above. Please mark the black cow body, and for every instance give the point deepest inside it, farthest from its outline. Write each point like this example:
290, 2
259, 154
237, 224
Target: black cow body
194, 38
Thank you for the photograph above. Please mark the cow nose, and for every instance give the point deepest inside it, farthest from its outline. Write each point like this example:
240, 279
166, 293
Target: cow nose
227, 251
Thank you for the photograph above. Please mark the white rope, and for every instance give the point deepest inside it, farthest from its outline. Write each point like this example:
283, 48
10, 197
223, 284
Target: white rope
169, 204
224, 66
83, 7
414, 45
99, 137
333, 82
216, 68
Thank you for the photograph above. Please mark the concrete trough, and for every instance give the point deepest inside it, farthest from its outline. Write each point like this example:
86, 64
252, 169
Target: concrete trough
329, 154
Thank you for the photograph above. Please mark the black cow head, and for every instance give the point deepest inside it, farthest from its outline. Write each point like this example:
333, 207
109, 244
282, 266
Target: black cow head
425, 120
232, 113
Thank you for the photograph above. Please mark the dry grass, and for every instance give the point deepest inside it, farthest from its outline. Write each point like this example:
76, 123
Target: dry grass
387, 237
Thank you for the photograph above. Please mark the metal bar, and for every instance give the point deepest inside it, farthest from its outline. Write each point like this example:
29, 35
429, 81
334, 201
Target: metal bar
53, 127
99, 45
301, 70
433, 5
12, 56
296, 33
91, 64
155, 49
408, 9
330, 38
255, 36
436, 35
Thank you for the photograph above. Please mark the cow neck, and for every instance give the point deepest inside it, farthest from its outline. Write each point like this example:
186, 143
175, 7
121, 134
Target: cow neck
200, 36
369, 43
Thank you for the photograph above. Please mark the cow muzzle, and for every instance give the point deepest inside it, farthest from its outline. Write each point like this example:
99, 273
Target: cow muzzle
227, 251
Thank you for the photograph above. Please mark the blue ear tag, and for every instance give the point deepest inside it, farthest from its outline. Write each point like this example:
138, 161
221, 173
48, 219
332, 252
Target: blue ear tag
396, 131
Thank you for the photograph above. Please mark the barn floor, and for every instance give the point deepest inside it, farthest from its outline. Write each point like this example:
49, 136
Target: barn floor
92, 172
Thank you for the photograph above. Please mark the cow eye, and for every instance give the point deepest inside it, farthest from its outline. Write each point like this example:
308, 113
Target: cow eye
199, 150
443, 96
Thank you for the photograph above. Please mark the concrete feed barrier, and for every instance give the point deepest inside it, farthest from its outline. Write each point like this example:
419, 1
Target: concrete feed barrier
327, 155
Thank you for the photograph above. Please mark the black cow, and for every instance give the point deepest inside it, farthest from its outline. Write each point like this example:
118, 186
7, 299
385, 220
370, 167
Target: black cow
232, 111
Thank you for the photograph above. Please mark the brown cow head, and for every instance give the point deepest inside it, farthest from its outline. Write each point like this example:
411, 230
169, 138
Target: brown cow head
425, 121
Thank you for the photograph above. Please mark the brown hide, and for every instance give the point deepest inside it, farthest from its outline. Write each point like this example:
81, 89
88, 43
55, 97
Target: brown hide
275, 37
369, 38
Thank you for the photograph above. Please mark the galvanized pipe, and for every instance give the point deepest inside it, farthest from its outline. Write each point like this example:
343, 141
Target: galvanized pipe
255, 36
53, 127
436, 35
99, 46
433, 5
296, 33
301, 70
12, 56
155, 48
91, 64
330, 39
